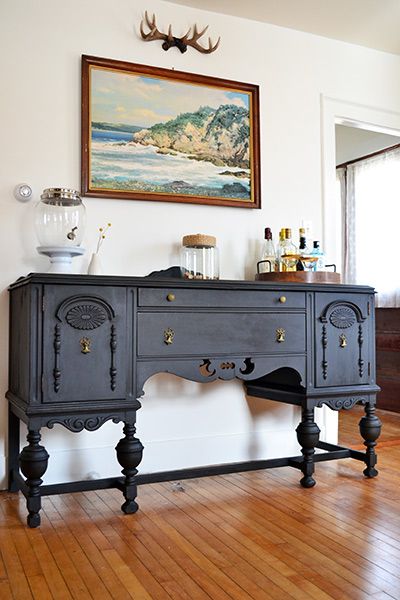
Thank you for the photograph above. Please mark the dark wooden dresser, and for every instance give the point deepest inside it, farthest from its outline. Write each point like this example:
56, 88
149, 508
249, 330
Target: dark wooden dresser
388, 357
82, 347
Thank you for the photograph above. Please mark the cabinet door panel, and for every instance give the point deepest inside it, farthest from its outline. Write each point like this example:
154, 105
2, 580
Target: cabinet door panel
343, 350
85, 343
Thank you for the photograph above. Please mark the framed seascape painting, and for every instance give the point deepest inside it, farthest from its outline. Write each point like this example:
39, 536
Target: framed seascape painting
159, 135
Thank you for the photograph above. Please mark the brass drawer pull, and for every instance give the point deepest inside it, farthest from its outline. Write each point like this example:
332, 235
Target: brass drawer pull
169, 335
85, 345
171, 297
282, 299
280, 335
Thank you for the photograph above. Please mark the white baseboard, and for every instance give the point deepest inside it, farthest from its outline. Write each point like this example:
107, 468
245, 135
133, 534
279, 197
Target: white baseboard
3, 472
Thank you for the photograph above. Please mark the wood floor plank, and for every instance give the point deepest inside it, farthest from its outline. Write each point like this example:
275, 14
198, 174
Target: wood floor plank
132, 534
321, 541
55, 540
5, 591
260, 531
252, 583
38, 548
264, 550
15, 574
305, 543
213, 568
333, 508
39, 588
84, 531
155, 549
326, 514
366, 579
274, 577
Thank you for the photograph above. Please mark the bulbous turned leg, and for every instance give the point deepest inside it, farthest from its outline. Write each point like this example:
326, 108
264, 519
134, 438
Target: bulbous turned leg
370, 429
129, 454
33, 463
308, 436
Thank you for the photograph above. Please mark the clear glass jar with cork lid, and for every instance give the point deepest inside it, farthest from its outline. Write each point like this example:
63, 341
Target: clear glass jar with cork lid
199, 257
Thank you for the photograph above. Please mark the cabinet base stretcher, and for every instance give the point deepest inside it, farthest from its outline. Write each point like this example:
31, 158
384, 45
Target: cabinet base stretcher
32, 461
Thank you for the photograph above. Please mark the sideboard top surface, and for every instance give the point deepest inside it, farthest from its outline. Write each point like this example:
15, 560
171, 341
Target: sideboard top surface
124, 281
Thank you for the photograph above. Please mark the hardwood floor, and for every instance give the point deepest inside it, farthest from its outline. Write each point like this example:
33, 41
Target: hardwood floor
255, 535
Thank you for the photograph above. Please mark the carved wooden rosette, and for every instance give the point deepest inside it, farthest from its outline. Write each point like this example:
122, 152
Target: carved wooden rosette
84, 313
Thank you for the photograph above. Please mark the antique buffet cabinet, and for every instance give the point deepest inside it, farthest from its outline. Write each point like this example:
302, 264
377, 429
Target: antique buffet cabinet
82, 347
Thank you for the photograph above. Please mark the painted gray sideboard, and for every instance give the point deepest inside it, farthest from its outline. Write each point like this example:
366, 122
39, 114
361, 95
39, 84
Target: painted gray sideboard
82, 347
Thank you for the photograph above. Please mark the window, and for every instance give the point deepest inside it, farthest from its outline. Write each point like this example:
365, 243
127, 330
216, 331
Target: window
370, 190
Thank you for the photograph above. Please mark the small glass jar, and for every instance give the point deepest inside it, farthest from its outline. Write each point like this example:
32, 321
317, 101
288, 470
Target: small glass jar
199, 257
60, 218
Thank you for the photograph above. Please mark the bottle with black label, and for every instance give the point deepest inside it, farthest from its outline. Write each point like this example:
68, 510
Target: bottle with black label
268, 254
303, 250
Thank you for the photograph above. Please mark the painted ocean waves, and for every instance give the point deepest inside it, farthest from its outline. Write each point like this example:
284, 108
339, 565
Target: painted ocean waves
122, 165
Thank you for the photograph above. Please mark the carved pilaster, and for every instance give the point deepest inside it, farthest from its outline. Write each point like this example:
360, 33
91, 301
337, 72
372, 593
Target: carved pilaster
57, 350
113, 346
360, 340
324, 345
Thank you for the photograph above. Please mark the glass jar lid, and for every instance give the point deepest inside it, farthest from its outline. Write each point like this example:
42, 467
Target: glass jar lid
61, 197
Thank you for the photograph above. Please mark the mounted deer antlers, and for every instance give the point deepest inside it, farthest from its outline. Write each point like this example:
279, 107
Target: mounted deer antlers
170, 41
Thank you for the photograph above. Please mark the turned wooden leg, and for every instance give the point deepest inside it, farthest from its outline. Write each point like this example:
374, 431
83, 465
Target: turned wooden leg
370, 429
308, 436
33, 463
129, 454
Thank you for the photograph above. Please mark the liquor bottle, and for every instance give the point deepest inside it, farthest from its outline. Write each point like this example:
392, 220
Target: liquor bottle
303, 250
268, 253
289, 255
319, 265
280, 249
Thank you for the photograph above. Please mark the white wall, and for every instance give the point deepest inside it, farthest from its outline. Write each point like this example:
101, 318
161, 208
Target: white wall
181, 423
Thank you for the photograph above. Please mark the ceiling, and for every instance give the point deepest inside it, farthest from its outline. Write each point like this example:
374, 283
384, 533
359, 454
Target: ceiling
371, 23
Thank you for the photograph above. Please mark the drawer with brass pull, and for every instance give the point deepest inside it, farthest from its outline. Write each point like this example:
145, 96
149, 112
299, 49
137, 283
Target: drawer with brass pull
177, 297
191, 333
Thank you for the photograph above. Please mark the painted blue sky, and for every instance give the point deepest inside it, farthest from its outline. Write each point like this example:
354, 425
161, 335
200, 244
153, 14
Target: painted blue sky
139, 100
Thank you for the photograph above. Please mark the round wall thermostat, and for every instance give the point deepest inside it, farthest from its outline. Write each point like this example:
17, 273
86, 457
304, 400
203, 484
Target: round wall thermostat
23, 192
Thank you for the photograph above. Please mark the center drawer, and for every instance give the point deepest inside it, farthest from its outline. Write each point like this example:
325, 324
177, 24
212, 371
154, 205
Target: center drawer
158, 297
237, 333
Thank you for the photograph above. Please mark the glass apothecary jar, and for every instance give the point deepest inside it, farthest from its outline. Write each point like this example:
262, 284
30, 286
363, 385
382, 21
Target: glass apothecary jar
60, 218
199, 257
